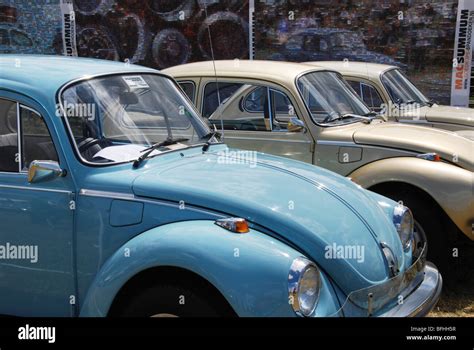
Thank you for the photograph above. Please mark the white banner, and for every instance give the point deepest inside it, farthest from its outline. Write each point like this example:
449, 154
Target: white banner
69, 27
462, 62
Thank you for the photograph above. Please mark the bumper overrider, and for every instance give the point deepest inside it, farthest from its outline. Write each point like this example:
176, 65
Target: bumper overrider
412, 293
423, 298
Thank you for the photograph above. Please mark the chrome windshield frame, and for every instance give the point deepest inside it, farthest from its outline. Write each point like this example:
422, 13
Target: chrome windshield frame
70, 134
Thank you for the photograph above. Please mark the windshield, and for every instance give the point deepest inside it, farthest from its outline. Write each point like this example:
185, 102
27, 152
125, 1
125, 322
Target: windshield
402, 90
347, 41
328, 96
115, 119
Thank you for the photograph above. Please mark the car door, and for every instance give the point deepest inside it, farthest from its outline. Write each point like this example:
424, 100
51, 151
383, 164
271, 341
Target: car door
259, 117
36, 221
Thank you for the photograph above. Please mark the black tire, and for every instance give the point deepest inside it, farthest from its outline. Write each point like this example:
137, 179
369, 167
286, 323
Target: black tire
432, 220
170, 300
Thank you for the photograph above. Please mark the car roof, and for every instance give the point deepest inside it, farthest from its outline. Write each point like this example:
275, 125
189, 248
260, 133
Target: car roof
353, 68
41, 76
275, 71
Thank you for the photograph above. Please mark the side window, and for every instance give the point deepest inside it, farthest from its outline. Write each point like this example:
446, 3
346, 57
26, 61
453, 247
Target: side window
211, 100
284, 109
356, 86
8, 137
189, 89
36, 142
371, 97
255, 101
256, 108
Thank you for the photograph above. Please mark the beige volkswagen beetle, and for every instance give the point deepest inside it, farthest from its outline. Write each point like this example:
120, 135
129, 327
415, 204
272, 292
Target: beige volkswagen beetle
311, 114
386, 89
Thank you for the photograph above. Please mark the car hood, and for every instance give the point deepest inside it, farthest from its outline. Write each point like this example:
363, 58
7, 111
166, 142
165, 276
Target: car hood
448, 114
420, 140
308, 206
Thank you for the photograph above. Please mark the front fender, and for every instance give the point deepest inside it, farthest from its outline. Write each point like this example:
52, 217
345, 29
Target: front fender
450, 186
250, 270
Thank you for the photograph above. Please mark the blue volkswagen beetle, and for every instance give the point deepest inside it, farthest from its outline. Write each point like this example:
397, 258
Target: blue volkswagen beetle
116, 199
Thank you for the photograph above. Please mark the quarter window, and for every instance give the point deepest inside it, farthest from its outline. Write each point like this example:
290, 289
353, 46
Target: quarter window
255, 108
368, 93
36, 142
189, 89
211, 97
8, 137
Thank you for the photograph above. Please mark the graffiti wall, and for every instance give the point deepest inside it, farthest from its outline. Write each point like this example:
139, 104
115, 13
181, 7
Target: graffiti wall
417, 35
156, 33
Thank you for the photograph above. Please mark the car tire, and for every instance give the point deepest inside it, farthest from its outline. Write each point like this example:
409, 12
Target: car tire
432, 221
171, 301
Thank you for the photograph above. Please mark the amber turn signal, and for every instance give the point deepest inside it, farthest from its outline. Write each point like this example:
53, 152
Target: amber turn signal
237, 225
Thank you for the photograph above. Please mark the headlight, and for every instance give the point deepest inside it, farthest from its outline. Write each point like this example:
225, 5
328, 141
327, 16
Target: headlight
304, 283
403, 221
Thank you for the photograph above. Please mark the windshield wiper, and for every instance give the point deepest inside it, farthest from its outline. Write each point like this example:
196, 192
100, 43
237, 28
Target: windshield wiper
146, 152
209, 137
366, 119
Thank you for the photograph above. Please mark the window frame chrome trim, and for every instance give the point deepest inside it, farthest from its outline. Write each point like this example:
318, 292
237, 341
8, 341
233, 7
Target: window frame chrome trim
68, 129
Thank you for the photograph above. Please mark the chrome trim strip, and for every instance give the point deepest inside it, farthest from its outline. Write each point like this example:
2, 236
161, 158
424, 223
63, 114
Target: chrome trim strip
411, 121
35, 189
104, 194
337, 143
18, 130
132, 197
364, 146
267, 139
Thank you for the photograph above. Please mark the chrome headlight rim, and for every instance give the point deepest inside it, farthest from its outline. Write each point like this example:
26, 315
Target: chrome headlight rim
402, 213
298, 270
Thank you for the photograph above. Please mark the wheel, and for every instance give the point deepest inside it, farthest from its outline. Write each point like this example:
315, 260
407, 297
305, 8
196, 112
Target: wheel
171, 301
430, 225
229, 34
170, 48
96, 41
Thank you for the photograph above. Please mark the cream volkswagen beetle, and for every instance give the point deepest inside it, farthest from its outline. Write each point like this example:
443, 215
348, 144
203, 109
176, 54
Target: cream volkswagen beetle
386, 89
311, 114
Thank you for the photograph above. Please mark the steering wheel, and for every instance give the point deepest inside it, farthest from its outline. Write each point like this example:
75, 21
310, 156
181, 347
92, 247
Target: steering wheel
87, 143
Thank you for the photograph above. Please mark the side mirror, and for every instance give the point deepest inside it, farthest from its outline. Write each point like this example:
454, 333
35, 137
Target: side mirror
44, 170
296, 125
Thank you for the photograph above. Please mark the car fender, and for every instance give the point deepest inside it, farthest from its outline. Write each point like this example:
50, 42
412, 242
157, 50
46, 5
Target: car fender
450, 186
249, 270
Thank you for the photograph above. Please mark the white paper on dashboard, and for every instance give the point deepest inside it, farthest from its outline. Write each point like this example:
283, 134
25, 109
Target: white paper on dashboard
122, 153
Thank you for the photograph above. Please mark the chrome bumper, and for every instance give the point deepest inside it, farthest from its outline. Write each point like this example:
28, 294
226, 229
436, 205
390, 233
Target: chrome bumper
423, 298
